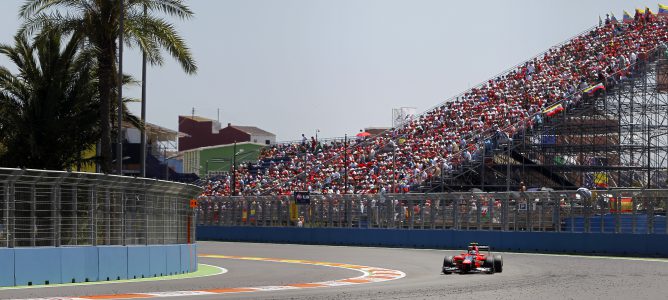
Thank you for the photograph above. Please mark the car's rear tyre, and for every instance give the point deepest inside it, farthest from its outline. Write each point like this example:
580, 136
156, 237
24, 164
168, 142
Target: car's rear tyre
498, 263
448, 262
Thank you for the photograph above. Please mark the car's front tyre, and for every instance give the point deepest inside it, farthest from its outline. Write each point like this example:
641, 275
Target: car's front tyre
448, 262
498, 263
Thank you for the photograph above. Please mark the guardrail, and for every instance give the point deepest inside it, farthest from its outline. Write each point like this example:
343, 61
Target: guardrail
633, 211
53, 208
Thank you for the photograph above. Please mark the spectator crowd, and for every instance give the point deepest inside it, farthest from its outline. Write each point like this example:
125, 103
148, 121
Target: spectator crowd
458, 131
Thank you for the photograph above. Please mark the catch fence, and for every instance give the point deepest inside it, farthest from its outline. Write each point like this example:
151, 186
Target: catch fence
53, 208
638, 211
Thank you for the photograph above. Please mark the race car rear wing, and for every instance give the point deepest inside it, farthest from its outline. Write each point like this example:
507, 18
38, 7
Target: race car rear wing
480, 248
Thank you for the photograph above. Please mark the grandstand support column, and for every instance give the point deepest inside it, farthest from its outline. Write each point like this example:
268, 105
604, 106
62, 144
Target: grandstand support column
649, 154
647, 113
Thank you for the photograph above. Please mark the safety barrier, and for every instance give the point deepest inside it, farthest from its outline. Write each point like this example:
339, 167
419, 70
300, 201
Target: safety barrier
54, 265
61, 227
637, 211
542, 242
615, 222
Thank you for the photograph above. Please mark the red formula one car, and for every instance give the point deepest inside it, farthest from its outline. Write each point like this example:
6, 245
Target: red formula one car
477, 259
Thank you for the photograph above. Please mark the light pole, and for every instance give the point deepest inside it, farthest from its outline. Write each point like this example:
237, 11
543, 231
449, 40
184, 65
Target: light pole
142, 156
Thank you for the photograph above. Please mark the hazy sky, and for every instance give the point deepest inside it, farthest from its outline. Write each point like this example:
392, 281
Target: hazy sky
291, 67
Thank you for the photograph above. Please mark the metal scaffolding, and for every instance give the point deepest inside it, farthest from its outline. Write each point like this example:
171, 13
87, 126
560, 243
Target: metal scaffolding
617, 138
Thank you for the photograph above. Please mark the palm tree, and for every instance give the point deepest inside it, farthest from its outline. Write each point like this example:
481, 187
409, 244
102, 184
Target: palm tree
98, 22
49, 108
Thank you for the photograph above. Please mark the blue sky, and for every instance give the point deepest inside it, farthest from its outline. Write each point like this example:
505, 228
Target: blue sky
291, 67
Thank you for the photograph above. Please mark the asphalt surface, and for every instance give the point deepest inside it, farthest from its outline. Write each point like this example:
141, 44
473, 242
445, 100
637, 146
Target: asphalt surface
525, 276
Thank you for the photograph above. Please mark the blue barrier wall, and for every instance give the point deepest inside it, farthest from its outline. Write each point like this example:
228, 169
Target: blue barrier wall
37, 266
549, 242
608, 224
6, 263
52, 265
81, 264
139, 259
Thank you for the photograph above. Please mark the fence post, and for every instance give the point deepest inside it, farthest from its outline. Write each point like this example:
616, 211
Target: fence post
665, 209
55, 213
9, 212
478, 210
490, 210
570, 212
75, 212
107, 216
93, 215
147, 218
455, 214
557, 212
618, 208
529, 212
650, 213
33, 216
5, 214
123, 216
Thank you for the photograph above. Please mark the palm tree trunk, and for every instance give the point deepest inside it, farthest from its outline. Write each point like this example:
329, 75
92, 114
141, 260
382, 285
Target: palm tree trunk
105, 81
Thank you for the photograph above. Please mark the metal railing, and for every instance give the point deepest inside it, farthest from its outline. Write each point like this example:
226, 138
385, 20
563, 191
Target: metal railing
611, 211
54, 208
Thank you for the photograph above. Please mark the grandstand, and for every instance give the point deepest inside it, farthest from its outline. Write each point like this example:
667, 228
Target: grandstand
590, 112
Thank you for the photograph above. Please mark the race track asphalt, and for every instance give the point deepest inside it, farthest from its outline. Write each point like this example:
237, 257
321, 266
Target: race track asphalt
525, 276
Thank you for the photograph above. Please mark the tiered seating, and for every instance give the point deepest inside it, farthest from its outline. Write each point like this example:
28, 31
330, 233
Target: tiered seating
455, 133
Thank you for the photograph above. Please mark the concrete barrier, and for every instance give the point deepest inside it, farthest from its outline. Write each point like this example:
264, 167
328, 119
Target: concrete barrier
172, 259
37, 266
80, 264
546, 242
139, 261
6, 263
52, 265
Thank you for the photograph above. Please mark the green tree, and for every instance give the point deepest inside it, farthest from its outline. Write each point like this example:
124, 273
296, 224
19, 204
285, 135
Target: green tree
49, 107
99, 22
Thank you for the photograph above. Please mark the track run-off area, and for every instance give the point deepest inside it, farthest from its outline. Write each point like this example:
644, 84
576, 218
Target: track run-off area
282, 271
